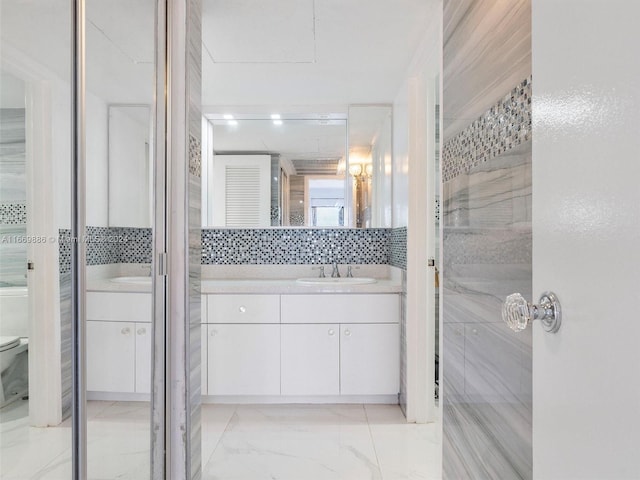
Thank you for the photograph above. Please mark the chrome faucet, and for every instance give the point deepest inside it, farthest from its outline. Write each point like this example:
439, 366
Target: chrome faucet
335, 273
321, 268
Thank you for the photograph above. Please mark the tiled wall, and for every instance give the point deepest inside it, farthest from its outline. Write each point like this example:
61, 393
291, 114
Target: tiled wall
502, 128
398, 247
108, 245
13, 210
295, 246
486, 216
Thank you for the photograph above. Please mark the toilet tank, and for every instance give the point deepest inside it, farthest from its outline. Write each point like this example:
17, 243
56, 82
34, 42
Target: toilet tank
14, 319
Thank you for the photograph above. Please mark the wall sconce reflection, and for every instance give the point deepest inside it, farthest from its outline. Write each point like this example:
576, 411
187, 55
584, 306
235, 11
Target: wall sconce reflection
362, 174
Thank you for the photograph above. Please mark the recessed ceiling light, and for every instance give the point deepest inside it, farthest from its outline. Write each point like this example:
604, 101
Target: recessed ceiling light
277, 122
275, 116
226, 116
233, 123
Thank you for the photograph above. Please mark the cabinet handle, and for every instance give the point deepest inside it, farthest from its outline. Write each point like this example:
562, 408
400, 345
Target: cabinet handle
331, 332
125, 331
142, 331
242, 309
347, 333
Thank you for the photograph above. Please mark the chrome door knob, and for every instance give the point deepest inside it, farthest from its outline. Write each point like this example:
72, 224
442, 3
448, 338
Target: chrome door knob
518, 313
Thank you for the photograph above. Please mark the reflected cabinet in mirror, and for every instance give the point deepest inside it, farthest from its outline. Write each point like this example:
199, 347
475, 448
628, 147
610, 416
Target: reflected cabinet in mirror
283, 170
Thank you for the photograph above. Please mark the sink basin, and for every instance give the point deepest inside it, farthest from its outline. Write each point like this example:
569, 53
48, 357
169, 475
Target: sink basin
135, 280
336, 281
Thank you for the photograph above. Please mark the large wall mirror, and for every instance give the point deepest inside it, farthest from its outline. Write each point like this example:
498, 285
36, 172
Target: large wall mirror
312, 170
130, 173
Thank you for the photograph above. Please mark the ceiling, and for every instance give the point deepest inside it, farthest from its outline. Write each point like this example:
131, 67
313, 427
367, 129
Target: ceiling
275, 53
297, 57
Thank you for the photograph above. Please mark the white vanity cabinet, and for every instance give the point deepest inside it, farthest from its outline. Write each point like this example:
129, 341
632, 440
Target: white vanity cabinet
243, 344
369, 359
119, 342
111, 356
303, 346
310, 359
243, 359
364, 353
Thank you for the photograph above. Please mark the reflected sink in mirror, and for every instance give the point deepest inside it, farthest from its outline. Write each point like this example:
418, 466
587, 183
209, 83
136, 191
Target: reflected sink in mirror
139, 280
336, 281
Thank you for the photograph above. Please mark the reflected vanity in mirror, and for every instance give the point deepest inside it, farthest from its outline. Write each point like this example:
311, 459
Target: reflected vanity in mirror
130, 175
284, 170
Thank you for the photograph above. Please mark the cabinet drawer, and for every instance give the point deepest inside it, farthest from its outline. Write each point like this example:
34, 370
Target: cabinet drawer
341, 308
243, 309
119, 307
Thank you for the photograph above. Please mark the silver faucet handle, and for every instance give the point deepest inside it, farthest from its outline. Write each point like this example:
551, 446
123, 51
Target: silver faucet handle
321, 268
335, 272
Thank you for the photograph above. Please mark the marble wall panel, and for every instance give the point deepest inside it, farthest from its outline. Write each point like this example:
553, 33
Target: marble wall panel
193, 334
13, 210
486, 52
487, 367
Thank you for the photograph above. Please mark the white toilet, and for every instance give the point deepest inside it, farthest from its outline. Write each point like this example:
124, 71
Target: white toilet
14, 344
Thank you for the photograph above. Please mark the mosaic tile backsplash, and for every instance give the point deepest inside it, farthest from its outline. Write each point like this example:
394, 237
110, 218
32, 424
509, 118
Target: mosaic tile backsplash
295, 246
503, 127
107, 245
398, 248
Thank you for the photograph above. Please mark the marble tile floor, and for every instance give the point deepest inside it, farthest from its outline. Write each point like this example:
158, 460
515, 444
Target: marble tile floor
240, 442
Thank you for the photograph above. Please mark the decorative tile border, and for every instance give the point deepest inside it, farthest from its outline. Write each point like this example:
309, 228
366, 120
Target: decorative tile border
398, 250
504, 126
295, 246
195, 156
13, 214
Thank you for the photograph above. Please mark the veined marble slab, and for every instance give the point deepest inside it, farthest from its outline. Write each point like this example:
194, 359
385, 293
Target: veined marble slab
486, 367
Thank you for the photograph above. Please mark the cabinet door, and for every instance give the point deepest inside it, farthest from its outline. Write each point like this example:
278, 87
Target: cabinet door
143, 357
110, 356
369, 359
244, 360
310, 359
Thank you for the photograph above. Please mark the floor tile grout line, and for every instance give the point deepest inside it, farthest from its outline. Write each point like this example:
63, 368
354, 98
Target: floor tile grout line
226, 427
373, 442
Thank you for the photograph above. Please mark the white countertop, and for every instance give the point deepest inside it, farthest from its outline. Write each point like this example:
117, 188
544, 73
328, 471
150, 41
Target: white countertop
274, 286
243, 279
291, 286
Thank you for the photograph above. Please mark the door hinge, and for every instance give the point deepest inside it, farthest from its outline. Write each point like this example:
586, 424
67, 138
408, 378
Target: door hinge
30, 266
162, 264
431, 262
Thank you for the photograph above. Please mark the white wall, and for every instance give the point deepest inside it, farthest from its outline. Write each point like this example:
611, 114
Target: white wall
413, 207
401, 158
97, 161
586, 232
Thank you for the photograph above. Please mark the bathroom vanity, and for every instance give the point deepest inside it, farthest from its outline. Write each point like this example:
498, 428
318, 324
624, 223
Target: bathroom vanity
263, 341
